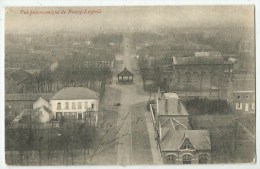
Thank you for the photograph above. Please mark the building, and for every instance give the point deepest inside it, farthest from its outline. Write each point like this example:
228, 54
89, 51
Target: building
185, 146
178, 144
19, 102
44, 114
125, 76
75, 102
17, 80
241, 96
197, 73
168, 105
41, 102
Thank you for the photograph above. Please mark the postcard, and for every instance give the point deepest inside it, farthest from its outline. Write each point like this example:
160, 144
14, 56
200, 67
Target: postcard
130, 85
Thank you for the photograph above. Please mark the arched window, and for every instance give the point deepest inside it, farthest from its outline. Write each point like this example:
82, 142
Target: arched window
170, 159
186, 159
203, 159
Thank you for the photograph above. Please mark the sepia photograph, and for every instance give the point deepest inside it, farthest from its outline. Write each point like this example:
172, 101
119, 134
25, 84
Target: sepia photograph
129, 85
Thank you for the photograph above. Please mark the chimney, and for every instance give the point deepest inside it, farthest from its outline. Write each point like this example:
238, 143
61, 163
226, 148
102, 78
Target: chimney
179, 106
159, 92
177, 126
173, 105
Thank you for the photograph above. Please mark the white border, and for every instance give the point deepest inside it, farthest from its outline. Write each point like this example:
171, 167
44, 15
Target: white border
8, 3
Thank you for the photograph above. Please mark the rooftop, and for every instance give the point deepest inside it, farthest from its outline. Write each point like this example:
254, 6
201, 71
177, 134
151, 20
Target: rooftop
28, 96
243, 85
75, 93
212, 60
173, 139
125, 72
170, 104
17, 75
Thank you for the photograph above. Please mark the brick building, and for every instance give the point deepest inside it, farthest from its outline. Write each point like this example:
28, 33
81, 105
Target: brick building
179, 144
197, 73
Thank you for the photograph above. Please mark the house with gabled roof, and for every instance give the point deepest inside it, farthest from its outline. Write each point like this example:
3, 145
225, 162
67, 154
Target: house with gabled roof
178, 144
75, 102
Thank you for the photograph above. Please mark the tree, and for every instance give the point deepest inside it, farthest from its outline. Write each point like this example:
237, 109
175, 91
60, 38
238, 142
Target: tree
86, 136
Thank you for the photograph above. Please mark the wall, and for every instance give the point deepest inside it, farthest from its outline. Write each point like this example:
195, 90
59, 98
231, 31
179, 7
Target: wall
194, 156
83, 109
40, 102
243, 98
44, 116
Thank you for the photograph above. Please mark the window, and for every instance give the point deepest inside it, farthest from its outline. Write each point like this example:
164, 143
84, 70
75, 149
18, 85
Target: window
66, 105
92, 105
203, 159
187, 144
247, 97
73, 115
238, 106
186, 159
59, 106
253, 106
73, 105
79, 105
238, 97
86, 105
170, 159
67, 114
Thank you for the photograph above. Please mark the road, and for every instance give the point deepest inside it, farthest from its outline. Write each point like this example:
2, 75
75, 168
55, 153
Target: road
132, 94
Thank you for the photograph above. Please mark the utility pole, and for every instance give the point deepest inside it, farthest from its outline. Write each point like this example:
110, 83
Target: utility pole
211, 77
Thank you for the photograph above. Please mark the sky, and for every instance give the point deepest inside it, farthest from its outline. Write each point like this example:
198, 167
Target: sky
126, 18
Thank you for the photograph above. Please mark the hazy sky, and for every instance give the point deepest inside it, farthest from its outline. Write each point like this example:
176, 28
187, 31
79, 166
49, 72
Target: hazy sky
127, 18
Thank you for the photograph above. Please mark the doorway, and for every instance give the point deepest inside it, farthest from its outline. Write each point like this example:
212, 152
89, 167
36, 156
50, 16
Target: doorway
79, 116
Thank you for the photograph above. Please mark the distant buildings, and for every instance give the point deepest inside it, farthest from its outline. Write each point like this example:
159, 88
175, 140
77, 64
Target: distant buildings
177, 143
18, 102
241, 96
75, 102
198, 73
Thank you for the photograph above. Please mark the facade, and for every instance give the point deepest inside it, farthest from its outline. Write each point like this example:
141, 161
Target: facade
41, 102
44, 114
75, 102
241, 97
186, 147
178, 144
197, 73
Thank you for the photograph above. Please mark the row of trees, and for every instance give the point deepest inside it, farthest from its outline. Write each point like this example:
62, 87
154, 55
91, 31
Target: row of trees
31, 138
69, 73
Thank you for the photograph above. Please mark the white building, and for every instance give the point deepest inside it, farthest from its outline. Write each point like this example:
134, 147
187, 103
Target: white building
75, 102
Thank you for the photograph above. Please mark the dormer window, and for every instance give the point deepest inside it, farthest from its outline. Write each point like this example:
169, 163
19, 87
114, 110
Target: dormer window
186, 145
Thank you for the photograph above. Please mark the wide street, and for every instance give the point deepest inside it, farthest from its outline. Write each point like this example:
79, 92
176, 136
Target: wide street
136, 145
